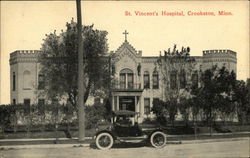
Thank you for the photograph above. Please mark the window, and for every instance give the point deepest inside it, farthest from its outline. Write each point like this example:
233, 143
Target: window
147, 105
195, 80
182, 79
130, 81
41, 82
115, 102
146, 79
13, 81
173, 77
14, 101
155, 80
156, 101
126, 79
122, 81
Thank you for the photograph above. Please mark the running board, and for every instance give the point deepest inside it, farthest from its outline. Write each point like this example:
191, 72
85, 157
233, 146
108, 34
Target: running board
132, 139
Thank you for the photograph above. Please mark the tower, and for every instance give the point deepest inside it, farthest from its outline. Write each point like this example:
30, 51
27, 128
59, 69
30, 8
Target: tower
24, 72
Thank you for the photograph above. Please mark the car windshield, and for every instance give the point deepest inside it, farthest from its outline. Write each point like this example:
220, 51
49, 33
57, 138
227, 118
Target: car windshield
125, 120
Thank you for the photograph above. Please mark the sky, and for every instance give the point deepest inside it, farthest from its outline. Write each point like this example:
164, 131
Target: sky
25, 23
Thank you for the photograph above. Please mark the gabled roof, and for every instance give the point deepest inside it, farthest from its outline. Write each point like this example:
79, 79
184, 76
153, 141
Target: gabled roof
126, 45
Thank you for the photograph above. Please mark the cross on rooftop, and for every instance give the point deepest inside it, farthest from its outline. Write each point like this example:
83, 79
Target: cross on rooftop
125, 33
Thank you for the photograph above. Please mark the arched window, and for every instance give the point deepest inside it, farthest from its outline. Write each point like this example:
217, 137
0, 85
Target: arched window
26, 80
173, 77
182, 79
126, 71
155, 80
146, 79
126, 79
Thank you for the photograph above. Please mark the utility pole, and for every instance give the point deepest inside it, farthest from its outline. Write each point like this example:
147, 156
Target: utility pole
81, 114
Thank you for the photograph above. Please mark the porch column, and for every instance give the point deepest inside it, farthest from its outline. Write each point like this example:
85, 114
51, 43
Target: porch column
117, 103
136, 105
113, 103
126, 81
141, 107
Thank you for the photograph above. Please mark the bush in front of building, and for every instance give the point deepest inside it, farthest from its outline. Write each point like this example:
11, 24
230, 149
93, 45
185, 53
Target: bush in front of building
6, 113
48, 117
165, 111
35, 117
94, 114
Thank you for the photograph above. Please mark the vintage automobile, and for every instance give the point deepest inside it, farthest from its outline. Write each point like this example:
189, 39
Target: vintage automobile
124, 127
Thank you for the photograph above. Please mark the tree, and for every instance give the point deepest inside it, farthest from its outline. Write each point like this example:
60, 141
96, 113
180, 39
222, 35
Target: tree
215, 94
241, 99
165, 111
59, 63
160, 111
176, 67
185, 108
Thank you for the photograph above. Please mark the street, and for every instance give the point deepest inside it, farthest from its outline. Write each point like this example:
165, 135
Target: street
235, 148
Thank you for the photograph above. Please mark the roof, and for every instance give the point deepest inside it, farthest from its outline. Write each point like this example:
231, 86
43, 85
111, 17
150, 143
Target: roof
124, 112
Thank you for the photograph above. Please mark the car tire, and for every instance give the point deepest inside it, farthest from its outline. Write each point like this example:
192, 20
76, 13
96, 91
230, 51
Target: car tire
158, 139
104, 141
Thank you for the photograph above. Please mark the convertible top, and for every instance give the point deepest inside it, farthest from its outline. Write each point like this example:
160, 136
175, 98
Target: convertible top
124, 112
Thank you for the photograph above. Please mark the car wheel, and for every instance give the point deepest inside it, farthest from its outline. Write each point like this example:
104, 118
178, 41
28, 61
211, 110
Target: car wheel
104, 141
158, 139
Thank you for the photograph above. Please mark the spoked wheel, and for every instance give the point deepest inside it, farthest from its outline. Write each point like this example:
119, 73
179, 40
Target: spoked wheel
104, 141
158, 139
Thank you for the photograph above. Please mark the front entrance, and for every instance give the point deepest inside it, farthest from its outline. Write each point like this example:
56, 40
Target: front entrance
127, 103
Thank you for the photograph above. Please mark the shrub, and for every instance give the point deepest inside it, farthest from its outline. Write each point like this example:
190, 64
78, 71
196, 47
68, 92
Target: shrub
94, 114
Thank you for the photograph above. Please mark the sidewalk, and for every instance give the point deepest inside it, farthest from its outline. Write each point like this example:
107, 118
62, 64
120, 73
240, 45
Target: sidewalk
67, 143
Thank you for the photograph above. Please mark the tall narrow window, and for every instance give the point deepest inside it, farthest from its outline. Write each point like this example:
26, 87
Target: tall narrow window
130, 81
182, 79
122, 81
14, 101
146, 79
155, 80
41, 82
115, 103
147, 105
173, 77
195, 80
14, 81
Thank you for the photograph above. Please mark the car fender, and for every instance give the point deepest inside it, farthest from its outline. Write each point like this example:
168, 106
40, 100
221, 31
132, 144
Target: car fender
105, 131
156, 130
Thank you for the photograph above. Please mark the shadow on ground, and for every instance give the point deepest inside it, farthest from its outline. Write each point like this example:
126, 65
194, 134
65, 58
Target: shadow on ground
124, 145
132, 145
